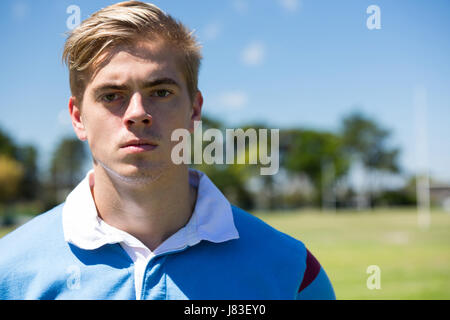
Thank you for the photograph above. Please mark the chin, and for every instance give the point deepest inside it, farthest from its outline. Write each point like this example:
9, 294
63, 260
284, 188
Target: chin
137, 173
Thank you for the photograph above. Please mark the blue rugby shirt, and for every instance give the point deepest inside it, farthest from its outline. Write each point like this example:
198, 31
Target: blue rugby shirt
223, 252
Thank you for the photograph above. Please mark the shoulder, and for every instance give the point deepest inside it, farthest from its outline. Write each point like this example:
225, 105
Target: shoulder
288, 256
41, 231
38, 226
28, 252
259, 234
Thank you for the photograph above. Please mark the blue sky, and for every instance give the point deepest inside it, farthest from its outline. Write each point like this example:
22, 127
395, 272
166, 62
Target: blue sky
281, 62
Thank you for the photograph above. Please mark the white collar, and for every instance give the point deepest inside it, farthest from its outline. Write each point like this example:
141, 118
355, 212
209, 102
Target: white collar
211, 220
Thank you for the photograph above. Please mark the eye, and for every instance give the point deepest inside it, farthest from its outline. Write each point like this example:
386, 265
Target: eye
162, 93
110, 97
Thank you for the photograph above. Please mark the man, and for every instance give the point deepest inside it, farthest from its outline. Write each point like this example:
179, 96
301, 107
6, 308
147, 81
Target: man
139, 226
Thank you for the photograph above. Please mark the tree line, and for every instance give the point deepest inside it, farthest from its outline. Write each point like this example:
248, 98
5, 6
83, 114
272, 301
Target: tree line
315, 170
316, 167
26, 189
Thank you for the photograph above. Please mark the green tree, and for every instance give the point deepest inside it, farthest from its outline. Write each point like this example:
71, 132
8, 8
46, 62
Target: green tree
26, 157
230, 179
367, 142
11, 172
7, 147
309, 151
30, 184
66, 165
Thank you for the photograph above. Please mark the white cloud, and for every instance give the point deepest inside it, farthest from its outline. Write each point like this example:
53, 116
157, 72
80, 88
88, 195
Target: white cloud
20, 10
290, 5
253, 54
233, 100
212, 31
241, 6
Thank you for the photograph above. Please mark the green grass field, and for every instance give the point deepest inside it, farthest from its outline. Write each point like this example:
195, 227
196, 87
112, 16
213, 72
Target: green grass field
414, 263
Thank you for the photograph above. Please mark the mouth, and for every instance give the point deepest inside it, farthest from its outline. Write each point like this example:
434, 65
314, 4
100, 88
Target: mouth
138, 145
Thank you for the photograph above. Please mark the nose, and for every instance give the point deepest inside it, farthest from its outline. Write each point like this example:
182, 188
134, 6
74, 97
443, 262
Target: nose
136, 115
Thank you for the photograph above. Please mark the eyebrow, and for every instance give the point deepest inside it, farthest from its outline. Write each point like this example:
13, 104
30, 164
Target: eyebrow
146, 84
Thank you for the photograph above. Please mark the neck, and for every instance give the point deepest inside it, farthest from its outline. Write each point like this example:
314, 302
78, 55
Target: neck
150, 211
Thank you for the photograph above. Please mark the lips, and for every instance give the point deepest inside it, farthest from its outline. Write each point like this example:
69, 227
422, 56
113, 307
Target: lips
138, 145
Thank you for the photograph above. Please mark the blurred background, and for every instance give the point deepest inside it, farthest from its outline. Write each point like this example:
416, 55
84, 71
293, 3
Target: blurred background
360, 93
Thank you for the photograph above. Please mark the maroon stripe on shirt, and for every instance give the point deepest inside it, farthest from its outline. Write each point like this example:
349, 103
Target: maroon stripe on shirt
311, 271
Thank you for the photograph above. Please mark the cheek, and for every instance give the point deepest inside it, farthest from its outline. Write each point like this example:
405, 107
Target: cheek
181, 114
100, 131
167, 118
178, 121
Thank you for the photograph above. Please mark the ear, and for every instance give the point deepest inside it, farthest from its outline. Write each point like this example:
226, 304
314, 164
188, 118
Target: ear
77, 122
196, 111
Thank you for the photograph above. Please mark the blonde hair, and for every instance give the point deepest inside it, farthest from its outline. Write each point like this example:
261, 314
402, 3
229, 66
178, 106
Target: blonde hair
125, 23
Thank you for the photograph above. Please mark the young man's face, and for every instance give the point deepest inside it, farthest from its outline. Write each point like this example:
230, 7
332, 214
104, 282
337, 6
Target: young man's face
130, 108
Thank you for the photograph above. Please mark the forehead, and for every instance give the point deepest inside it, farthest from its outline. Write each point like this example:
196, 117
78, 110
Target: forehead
140, 61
